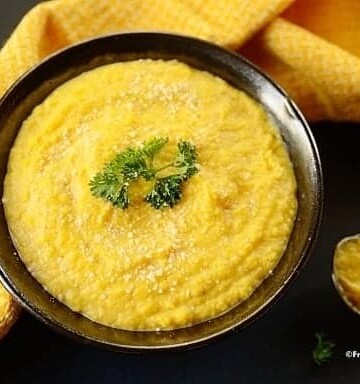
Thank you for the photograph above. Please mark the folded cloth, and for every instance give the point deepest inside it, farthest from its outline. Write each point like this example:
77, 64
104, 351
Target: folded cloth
312, 48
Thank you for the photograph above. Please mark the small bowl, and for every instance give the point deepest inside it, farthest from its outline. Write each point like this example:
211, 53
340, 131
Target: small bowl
32, 88
347, 297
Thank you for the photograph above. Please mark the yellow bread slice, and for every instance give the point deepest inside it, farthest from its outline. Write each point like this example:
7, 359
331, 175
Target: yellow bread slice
346, 271
9, 311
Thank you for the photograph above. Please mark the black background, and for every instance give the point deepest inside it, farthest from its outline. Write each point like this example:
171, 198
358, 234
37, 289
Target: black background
276, 349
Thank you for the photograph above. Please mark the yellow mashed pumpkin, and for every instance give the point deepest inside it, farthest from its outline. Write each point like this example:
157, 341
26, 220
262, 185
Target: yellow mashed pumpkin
142, 268
347, 270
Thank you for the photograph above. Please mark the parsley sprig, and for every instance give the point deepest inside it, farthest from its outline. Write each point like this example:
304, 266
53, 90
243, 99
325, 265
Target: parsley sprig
323, 350
113, 182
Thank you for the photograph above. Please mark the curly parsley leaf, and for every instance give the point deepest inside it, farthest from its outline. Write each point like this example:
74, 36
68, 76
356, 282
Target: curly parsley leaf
113, 182
186, 159
323, 350
166, 192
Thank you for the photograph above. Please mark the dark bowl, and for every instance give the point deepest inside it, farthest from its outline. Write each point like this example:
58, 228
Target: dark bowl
36, 85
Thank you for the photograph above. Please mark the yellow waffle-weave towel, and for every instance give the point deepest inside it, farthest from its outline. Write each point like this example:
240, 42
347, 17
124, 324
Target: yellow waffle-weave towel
311, 47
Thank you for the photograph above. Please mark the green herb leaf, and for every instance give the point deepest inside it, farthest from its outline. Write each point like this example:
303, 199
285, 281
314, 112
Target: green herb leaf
153, 146
112, 187
323, 350
186, 159
113, 182
166, 192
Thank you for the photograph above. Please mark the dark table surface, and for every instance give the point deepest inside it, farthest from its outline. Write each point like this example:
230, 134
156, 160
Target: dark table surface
276, 349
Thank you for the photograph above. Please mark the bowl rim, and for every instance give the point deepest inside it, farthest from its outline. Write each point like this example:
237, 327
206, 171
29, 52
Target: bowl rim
286, 284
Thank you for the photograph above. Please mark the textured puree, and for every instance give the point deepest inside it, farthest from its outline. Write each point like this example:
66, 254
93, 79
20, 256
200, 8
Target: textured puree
347, 268
142, 268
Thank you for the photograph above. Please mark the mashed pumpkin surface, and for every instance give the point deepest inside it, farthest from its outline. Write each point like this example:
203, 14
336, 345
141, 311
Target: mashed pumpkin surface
142, 268
347, 270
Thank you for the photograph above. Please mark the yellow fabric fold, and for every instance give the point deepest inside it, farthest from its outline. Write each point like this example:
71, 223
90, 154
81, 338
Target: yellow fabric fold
312, 48
55, 24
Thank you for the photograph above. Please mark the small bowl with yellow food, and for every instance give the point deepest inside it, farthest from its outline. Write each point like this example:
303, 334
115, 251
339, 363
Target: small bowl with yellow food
346, 271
